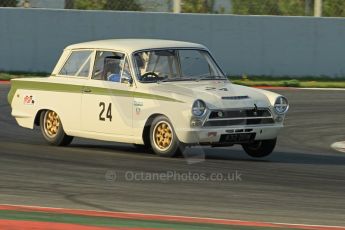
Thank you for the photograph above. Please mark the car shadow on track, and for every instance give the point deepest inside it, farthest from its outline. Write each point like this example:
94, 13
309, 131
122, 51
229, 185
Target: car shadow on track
287, 158
221, 154
118, 147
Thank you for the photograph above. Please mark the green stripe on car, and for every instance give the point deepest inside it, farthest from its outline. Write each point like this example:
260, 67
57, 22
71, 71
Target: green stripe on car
68, 88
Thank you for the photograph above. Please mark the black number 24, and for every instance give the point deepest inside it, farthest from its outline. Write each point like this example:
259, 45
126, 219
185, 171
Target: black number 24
108, 115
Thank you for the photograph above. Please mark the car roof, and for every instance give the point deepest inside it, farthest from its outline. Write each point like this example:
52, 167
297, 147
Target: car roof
132, 45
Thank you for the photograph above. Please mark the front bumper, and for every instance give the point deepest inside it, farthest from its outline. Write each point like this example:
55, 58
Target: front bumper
217, 135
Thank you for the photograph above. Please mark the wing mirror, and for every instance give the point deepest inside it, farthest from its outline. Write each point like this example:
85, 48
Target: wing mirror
127, 80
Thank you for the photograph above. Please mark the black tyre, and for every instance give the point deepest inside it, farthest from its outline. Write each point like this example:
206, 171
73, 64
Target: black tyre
52, 129
260, 148
163, 139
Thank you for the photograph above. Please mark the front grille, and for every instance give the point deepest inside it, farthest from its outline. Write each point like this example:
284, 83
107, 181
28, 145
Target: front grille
239, 117
240, 113
257, 121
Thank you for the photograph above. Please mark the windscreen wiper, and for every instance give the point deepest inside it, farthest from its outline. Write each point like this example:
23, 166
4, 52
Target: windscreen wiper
174, 79
210, 77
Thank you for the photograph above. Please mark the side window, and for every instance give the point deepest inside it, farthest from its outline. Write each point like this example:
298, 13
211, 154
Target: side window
78, 64
111, 66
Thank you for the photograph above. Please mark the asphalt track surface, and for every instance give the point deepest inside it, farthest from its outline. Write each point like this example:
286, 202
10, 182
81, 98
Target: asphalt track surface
302, 182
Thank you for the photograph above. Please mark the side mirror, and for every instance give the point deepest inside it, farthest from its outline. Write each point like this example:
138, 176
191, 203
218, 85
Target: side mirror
127, 80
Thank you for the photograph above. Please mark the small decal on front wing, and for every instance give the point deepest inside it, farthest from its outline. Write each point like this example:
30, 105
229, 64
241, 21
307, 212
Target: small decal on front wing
29, 100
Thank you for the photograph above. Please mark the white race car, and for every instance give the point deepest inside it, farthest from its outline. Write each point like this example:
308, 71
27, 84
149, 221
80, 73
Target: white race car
158, 94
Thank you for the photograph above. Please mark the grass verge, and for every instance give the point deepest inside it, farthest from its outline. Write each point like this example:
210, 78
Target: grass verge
304, 82
119, 223
5, 76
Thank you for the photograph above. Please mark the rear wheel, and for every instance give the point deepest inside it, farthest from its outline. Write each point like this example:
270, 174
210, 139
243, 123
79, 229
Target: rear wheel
163, 139
260, 148
52, 129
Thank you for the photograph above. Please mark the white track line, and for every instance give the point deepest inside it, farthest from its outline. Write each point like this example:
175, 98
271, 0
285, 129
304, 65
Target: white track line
324, 89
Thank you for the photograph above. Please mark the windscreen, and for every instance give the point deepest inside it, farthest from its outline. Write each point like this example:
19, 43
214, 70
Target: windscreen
174, 65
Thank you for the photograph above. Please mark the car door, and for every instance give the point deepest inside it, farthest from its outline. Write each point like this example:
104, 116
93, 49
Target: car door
68, 84
107, 97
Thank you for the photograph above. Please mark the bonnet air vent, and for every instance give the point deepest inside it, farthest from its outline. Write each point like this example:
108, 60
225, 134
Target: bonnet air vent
235, 98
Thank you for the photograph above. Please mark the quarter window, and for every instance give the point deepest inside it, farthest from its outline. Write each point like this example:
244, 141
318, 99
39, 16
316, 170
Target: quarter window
78, 64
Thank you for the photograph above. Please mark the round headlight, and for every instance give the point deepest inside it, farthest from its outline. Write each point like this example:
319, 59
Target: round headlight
281, 105
199, 108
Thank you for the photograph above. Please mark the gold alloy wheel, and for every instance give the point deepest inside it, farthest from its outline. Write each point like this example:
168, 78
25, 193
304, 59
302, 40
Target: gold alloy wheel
162, 135
51, 123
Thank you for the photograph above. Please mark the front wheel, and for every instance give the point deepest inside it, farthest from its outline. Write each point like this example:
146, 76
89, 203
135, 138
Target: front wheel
52, 130
260, 148
163, 139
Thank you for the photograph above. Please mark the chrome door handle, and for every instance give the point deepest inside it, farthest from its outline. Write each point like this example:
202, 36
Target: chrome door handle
86, 90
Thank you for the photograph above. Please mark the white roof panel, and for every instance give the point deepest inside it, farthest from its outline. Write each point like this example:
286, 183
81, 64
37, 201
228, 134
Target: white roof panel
132, 45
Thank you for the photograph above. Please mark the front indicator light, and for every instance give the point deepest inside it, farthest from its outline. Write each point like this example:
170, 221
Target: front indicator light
279, 118
196, 123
